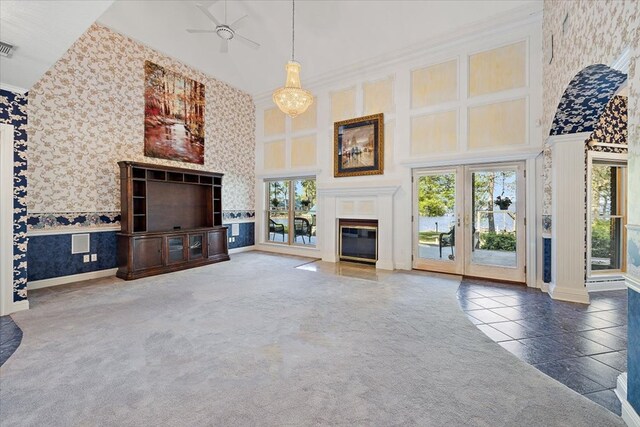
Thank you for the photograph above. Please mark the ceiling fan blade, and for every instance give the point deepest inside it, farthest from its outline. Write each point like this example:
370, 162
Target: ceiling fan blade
224, 46
235, 25
201, 31
208, 14
246, 41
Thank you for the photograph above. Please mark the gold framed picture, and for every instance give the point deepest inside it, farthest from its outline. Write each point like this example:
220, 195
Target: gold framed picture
358, 146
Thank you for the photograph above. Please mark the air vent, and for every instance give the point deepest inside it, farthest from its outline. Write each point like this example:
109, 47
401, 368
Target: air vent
79, 243
5, 49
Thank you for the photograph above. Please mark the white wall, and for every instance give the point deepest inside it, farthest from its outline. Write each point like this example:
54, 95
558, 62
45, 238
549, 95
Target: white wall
399, 160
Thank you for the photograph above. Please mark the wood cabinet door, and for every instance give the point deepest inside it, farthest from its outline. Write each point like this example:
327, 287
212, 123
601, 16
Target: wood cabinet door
218, 243
147, 253
196, 246
176, 249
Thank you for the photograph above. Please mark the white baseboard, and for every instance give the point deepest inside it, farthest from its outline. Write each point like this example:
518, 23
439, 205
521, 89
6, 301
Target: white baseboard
242, 249
55, 281
289, 250
629, 415
608, 285
13, 307
568, 294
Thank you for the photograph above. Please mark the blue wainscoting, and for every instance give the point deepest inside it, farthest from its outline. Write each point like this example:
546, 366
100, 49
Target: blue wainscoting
633, 351
49, 255
247, 235
546, 260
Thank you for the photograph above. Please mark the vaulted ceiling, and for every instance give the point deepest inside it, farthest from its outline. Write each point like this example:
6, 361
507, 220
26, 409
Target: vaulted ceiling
41, 32
330, 35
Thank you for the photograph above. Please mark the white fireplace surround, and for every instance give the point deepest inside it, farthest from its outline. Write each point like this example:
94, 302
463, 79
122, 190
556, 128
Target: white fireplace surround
362, 202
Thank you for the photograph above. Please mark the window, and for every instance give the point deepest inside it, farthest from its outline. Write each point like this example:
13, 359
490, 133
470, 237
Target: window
608, 216
291, 211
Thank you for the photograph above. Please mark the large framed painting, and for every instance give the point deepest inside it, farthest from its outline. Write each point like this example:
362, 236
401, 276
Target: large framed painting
359, 146
173, 115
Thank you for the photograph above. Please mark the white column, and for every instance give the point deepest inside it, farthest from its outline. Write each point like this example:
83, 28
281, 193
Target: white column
7, 306
385, 232
568, 218
329, 234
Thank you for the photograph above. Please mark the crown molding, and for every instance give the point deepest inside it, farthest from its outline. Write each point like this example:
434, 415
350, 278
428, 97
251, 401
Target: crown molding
14, 89
568, 137
499, 23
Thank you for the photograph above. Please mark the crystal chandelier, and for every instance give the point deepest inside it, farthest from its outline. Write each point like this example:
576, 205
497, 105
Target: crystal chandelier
292, 99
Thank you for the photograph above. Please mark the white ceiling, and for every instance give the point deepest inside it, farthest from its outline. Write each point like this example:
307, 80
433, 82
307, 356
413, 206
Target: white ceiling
330, 35
41, 32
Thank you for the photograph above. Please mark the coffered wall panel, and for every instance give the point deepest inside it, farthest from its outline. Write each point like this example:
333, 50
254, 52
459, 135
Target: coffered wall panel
434, 85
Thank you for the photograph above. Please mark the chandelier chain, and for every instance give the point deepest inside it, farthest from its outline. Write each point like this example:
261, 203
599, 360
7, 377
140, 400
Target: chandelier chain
293, 30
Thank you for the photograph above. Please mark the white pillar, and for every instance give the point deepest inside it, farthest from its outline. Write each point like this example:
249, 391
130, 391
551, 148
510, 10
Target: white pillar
568, 218
7, 305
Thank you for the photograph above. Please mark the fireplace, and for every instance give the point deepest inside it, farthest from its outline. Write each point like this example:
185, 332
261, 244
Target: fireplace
358, 240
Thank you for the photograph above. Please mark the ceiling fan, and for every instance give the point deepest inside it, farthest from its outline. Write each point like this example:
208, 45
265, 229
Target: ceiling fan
225, 31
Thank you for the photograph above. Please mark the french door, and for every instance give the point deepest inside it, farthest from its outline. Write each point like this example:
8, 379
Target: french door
469, 220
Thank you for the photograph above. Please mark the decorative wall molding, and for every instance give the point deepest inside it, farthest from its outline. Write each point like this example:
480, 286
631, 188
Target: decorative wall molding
14, 89
72, 230
63, 280
485, 156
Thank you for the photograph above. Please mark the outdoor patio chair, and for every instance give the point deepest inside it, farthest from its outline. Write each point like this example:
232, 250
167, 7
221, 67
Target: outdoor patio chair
274, 228
302, 228
447, 239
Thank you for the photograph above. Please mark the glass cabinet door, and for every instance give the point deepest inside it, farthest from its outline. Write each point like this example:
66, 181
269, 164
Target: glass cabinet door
195, 246
175, 246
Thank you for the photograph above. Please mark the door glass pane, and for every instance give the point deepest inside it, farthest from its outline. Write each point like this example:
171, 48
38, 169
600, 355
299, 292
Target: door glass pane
195, 246
494, 218
436, 216
304, 212
278, 211
607, 216
176, 249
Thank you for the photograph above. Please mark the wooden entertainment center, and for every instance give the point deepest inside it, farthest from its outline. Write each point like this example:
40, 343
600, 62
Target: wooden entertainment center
171, 220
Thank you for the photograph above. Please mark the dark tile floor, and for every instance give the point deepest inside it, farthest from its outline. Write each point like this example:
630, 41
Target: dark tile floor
582, 346
10, 338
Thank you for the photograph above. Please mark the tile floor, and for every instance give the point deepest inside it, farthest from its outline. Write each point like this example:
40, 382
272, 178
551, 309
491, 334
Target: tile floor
582, 346
10, 338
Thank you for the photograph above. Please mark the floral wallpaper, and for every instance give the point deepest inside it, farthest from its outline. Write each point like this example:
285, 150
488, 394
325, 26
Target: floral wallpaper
611, 127
13, 111
584, 100
584, 33
87, 113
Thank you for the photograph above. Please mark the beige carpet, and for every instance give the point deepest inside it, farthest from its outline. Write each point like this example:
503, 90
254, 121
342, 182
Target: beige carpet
255, 341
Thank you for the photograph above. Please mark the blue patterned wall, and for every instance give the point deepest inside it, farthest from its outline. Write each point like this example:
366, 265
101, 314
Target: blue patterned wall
546, 260
247, 235
585, 98
633, 352
13, 111
50, 255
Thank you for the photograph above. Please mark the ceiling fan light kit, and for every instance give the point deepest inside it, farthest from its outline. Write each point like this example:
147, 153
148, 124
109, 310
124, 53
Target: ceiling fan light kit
292, 99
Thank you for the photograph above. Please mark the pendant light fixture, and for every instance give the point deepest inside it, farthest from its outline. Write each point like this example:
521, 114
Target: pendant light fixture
292, 99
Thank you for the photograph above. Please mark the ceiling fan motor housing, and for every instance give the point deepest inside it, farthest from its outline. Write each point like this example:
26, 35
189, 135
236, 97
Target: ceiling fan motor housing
224, 32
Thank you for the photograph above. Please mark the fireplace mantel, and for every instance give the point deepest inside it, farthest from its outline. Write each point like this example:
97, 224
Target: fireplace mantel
358, 202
